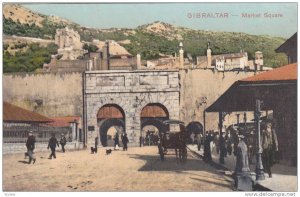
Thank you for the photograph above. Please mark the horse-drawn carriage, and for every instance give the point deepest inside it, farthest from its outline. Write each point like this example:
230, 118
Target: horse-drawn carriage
174, 138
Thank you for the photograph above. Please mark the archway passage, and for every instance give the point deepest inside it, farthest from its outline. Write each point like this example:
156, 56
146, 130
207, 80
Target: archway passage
193, 129
108, 139
110, 116
153, 115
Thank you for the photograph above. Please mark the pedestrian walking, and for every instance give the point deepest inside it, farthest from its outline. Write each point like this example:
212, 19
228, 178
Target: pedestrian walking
216, 142
198, 138
52, 144
207, 150
141, 141
125, 141
229, 142
116, 139
270, 146
63, 142
30, 144
96, 142
222, 148
251, 146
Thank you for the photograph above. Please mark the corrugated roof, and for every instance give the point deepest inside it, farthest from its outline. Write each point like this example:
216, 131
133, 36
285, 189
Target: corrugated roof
12, 113
288, 72
63, 121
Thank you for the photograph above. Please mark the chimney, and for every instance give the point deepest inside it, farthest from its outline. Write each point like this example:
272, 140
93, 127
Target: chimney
208, 52
107, 56
181, 52
89, 65
95, 63
138, 61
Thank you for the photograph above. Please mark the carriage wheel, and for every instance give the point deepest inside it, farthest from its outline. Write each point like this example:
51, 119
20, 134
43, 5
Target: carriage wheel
184, 154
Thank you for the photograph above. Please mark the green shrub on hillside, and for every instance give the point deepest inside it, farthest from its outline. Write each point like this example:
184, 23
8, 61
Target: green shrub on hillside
28, 61
150, 45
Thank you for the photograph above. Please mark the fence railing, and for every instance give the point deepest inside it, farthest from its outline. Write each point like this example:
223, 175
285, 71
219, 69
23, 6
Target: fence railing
18, 133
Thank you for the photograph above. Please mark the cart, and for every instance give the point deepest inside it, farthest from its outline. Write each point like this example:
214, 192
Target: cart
174, 138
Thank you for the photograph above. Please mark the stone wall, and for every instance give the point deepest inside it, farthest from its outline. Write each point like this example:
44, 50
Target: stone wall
66, 66
132, 91
61, 94
49, 94
199, 84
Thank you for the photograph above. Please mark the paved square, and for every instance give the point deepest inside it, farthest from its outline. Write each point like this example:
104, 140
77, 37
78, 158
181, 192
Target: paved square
138, 169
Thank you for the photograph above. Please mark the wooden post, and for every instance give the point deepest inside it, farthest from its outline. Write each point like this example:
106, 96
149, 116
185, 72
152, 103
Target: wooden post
220, 136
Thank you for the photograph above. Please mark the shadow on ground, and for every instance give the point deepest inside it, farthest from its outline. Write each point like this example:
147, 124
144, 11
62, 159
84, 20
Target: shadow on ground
24, 162
153, 163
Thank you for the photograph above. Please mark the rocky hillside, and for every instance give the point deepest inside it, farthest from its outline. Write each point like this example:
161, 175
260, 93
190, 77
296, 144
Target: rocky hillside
150, 40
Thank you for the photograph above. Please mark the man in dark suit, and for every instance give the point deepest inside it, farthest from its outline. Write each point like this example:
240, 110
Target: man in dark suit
63, 142
269, 145
52, 144
125, 141
30, 144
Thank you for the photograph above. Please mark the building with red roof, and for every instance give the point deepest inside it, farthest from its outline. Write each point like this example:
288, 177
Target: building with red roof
17, 122
13, 113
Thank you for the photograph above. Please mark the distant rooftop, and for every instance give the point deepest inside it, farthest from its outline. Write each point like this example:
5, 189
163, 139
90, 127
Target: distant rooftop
288, 72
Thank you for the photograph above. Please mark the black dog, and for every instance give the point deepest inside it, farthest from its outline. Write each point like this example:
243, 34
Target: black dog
108, 151
93, 150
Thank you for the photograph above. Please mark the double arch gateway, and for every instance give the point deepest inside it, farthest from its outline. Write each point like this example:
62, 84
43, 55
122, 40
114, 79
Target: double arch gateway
112, 115
129, 101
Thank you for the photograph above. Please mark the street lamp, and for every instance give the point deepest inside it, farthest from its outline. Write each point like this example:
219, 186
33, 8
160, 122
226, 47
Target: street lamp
259, 167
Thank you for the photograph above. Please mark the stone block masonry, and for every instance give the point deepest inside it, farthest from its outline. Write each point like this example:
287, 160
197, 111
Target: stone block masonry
50, 94
132, 91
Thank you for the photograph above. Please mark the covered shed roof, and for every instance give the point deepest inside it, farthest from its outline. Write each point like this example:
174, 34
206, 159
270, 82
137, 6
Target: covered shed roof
271, 87
292, 41
13, 113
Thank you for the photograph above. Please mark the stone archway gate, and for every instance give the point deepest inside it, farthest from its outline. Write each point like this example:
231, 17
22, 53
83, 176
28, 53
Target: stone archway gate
132, 91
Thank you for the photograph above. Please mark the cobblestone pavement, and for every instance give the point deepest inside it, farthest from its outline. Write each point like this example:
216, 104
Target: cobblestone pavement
138, 169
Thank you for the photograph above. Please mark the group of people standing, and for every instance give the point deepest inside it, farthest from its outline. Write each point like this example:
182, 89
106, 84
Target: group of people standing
124, 139
52, 144
226, 144
223, 144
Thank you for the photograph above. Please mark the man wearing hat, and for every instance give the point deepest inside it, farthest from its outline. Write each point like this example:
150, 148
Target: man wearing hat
63, 142
30, 144
269, 145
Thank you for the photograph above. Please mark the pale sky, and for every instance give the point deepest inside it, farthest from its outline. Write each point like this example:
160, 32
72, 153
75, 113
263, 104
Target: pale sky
131, 15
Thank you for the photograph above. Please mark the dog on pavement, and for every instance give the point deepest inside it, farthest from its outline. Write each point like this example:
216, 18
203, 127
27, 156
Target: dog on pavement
93, 150
108, 151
